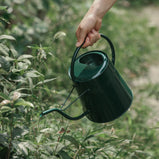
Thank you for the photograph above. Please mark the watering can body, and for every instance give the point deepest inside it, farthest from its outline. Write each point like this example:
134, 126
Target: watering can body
104, 94
108, 95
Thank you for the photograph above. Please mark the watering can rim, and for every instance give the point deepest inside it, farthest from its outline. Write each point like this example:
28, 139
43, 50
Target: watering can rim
100, 71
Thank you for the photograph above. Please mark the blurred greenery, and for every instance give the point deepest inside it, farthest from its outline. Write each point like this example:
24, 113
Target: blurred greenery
37, 41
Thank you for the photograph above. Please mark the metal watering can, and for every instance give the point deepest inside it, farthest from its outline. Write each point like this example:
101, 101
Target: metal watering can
104, 94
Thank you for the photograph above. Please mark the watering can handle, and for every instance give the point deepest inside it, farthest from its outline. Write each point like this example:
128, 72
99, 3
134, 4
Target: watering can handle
78, 48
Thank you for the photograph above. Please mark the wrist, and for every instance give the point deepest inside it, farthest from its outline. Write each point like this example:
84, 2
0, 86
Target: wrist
100, 7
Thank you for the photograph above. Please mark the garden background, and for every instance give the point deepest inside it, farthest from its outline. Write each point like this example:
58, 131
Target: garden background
37, 41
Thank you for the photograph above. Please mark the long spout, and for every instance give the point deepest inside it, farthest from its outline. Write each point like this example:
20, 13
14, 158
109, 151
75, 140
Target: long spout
64, 114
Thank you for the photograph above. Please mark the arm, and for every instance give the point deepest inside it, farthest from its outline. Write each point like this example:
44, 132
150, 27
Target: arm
91, 23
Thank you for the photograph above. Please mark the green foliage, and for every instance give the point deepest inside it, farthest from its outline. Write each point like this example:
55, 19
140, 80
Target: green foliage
37, 40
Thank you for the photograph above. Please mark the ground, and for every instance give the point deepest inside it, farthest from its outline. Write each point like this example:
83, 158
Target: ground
152, 76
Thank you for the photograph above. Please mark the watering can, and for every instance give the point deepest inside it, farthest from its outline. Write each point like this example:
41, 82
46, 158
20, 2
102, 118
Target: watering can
104, 94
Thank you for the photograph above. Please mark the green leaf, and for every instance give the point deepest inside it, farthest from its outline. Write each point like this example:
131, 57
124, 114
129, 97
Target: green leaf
3, 96
46, 130
23, 57
18, 132
19, 1
33, 73
4, 50
38, 138
7, 37
72, 140
22, 102
4, 64
64, 155
3, 7
4, 140
23, 148
13, 51
45, 81
5, 109
59, 35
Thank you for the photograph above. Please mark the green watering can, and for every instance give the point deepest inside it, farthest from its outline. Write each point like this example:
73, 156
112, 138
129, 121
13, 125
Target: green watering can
104, 94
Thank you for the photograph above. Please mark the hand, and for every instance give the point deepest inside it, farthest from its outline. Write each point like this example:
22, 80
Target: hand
88, 30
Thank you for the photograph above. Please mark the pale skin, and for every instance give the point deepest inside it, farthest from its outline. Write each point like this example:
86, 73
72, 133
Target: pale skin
90, 25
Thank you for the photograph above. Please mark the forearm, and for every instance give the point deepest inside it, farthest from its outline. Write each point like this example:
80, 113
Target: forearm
100, 7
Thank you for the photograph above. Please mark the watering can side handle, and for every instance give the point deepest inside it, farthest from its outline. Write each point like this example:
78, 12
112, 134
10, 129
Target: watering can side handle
78, 48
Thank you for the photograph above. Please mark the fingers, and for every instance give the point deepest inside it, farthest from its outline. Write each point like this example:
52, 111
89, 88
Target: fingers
92, 37
88, 28
80, 34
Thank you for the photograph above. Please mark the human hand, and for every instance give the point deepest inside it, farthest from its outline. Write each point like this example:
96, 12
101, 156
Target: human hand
88, 30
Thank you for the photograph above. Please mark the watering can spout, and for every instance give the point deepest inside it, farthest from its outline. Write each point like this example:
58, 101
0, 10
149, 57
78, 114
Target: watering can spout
64, 114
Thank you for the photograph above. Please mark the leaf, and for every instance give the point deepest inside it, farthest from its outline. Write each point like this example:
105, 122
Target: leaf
4, 49
19, 1
4, 140
18, 132
38, 138
5, 109
22, 57
72, 140
59, 35
15, 95
22, 102
3, 96
64, 155
33, 73
45, 81
4, 64
22, 146
46, 130
5, 102
8, 37
13, 51
3, 8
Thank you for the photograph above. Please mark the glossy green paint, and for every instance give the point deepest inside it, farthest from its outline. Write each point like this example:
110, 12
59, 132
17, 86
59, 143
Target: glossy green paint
109, 96
104, 94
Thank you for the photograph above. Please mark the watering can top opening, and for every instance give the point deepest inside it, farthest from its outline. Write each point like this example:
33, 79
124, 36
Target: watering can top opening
90, 65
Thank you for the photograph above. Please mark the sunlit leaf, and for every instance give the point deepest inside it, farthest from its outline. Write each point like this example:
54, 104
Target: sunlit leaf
22, 146
19, 1
45, 81
22, 57
46, 130
38, 138
5, 109
3, 7
13, 51
59, 35
16, 96
33, 73
5, 102
22, 102
7, 37
4, 50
